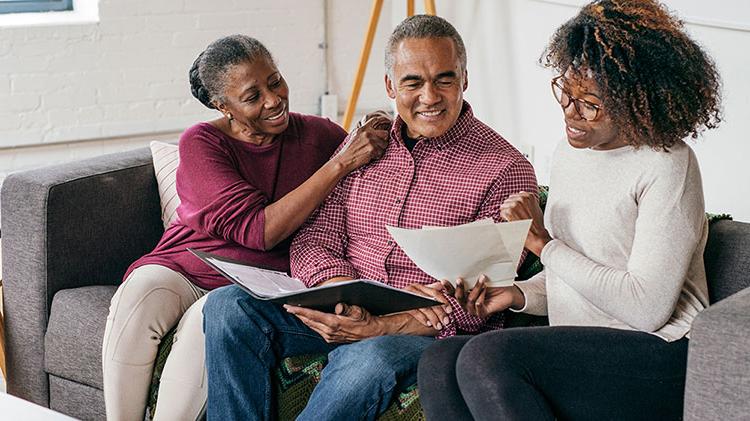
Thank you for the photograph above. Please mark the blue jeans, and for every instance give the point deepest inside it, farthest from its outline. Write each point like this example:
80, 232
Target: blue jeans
247, 338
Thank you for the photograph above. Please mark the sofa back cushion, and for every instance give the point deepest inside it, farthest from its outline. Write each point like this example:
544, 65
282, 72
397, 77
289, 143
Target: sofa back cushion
727, 258
166, 159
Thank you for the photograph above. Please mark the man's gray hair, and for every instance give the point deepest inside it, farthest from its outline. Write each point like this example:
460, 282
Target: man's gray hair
423, 26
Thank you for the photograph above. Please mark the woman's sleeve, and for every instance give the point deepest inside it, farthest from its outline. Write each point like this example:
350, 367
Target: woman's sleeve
670, 225
216, 199
535, 294
335, 137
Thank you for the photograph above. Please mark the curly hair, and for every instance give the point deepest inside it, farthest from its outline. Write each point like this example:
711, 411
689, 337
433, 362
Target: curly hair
659, 86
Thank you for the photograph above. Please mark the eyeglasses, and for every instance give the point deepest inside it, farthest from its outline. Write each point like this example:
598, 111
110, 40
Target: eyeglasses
586, 110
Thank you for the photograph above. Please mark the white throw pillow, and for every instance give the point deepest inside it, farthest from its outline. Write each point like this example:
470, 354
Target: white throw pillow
166, 159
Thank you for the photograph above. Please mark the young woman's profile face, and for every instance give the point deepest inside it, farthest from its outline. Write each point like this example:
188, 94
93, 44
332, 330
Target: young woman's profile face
587, 122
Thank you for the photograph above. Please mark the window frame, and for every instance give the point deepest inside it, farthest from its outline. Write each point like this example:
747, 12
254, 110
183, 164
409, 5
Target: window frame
35, 6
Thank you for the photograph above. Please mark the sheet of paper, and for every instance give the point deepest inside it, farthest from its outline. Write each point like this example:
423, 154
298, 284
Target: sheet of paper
483, 222
466, 251
263, 282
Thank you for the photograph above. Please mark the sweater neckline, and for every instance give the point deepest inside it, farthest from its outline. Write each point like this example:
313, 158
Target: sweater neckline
251, 146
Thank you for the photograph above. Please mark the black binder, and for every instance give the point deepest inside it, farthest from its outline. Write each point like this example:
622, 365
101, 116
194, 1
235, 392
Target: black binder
376, 297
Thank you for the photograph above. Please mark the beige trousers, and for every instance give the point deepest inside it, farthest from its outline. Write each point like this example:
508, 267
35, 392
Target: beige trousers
145, 308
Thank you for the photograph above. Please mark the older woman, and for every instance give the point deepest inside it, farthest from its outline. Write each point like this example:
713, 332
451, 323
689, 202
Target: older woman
246, 182
622, 238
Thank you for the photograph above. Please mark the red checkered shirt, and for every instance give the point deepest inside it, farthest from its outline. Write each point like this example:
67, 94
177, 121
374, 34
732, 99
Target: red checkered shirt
459, 177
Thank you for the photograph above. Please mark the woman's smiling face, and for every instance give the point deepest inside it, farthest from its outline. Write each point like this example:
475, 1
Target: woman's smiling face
582, 95
257, 96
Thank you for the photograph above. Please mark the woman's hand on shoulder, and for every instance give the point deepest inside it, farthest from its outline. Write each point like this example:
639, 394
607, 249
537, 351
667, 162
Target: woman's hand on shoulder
525, 205
483, 301
384, 119
367, 142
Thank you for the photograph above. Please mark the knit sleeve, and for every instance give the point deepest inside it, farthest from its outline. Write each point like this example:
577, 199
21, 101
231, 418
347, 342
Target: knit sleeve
668, 232
216, 199
535, 295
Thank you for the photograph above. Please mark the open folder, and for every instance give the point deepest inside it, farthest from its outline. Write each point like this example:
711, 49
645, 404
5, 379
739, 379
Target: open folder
276, 287
466, 251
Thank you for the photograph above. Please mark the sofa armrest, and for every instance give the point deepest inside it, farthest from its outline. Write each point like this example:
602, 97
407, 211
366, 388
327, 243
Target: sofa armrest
718, 369
68, 226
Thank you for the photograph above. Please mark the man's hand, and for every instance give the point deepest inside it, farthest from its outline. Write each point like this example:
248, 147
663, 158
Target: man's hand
483, 301
436, 316
349, 324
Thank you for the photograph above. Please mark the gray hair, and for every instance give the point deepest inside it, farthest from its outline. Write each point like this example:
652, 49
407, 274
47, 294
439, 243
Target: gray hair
423, 26
208, 72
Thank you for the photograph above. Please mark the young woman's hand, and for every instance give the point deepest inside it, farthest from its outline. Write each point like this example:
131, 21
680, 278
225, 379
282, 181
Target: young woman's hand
436, 316
483, 301
524, 205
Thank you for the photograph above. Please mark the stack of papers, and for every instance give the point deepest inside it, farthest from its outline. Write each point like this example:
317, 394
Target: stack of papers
466, 251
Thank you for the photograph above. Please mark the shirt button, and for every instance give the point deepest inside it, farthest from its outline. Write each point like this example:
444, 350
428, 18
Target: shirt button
390, 242
398, 200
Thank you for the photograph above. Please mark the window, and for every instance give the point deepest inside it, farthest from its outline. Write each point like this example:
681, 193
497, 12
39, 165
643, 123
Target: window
24, 6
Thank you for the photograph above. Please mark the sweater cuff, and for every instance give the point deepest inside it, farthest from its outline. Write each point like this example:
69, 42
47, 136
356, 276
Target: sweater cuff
535, 295
525, 301
548, 251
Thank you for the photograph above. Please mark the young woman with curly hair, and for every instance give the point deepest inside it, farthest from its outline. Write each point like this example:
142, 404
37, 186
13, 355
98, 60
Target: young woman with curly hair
622, 238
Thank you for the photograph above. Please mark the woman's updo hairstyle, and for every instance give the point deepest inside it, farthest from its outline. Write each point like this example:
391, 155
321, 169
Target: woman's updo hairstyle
209, 70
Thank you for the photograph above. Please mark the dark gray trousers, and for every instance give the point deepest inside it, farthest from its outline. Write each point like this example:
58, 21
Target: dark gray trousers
547, 373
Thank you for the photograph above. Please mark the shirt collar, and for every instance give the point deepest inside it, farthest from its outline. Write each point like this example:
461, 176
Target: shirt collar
463, 124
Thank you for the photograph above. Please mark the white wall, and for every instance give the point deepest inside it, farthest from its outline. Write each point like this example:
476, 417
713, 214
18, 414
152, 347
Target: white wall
347, 23
126, 75
79, 90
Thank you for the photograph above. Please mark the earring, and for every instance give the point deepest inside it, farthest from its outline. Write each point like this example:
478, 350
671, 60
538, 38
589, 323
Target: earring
229, 116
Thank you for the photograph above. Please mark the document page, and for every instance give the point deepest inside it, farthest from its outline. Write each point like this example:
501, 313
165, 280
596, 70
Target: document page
262, 282
466, 251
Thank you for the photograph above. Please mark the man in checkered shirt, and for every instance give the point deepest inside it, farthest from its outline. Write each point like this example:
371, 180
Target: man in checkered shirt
442, 167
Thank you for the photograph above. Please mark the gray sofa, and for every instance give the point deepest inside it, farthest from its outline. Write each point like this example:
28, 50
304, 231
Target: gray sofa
70, 231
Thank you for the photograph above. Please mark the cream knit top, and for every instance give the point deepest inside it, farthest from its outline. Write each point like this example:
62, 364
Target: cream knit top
629, 230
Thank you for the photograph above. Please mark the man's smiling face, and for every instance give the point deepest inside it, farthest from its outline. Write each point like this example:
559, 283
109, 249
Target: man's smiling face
428, 85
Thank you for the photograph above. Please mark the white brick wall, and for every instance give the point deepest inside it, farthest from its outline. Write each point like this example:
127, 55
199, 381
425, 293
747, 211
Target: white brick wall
57, 153
127, 74
74, 91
